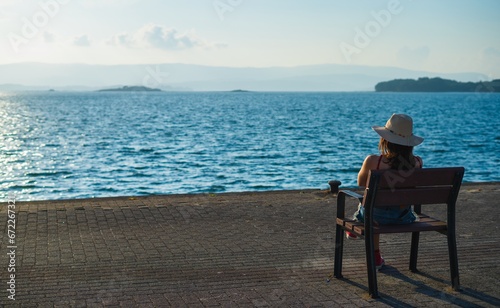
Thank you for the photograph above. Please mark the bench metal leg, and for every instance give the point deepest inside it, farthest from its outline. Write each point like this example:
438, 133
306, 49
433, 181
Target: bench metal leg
452, 249
339, 249
370, 265
415, 236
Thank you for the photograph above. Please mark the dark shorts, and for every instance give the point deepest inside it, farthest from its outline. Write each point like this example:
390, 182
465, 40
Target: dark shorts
388, 216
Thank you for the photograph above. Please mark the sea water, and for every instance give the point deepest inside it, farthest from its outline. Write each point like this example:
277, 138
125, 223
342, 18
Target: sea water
56, 145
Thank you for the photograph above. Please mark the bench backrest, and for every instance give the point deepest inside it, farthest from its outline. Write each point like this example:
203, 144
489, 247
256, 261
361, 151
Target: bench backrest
414, 187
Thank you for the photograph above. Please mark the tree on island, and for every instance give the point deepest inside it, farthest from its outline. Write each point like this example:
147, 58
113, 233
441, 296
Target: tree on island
437, 84
131, 89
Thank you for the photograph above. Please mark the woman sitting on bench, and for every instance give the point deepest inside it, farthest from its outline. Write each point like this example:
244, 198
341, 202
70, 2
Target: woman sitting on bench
396, 148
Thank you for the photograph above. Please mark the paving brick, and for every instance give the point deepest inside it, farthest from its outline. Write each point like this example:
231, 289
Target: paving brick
263, 249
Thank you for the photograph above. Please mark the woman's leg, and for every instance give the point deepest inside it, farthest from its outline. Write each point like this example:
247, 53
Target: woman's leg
379, 261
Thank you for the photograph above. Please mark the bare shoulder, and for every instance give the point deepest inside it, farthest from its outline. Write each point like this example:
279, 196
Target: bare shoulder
371, 162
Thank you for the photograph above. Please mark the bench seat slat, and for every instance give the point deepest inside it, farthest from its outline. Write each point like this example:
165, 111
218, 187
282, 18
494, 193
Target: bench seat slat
425, 223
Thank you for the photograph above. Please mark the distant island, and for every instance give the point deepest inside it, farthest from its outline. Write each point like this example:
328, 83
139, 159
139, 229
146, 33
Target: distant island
131, 89
239, 90
437, 84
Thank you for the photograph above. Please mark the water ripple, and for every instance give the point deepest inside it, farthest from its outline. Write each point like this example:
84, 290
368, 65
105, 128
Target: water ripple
75, 145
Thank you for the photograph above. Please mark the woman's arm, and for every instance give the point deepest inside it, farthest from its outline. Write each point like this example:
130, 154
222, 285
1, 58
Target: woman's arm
370, 163
420, 162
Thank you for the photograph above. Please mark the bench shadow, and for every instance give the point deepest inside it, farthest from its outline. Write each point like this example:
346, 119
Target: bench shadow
466, 291
447, 295
384, 298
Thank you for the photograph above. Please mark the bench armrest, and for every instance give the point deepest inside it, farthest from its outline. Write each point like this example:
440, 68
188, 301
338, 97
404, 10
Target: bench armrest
341, 201
352, 194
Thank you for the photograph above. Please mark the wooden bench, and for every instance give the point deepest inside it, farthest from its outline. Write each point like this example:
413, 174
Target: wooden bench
397, 188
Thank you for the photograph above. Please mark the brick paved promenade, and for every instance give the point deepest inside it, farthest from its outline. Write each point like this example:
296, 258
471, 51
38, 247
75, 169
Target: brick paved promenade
271, 249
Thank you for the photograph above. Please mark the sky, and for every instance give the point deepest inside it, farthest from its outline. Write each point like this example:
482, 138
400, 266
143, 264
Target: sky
448, 36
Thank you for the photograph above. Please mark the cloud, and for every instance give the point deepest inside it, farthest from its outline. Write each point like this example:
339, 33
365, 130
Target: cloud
168, 38
161, 37
122, 39
413, 56
82, 40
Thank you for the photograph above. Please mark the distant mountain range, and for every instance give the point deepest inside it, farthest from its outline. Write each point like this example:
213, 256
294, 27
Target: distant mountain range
188, 77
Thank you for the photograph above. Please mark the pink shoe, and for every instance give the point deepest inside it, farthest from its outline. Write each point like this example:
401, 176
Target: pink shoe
351, 236
379, 261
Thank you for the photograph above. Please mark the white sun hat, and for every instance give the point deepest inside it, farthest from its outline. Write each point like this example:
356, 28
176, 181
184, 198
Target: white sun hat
399, 130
